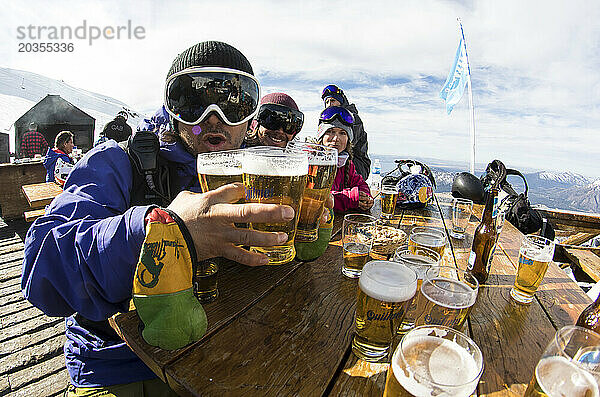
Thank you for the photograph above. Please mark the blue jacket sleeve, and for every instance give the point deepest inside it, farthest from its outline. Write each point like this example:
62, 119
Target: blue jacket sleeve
81, 255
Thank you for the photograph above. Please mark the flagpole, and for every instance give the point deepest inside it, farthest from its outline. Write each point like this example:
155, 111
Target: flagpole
472, 126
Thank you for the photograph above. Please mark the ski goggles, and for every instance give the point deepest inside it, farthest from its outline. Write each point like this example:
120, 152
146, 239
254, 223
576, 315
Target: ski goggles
273, 117
192, 94
332, 112
331, 89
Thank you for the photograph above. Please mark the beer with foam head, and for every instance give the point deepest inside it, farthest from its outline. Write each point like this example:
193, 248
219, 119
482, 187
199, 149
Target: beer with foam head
388, 201
434, 360
385, 290
570, 365
216, 169
557, 376
535, 255
273, 176
322, 168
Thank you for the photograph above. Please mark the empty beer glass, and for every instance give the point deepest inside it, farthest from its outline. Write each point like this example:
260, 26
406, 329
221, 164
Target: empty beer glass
461, 213
358, 233
535, 255
434, 361
570, 365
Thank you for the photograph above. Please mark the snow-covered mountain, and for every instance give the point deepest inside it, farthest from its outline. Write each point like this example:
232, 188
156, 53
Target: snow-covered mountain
20, 90
566, 177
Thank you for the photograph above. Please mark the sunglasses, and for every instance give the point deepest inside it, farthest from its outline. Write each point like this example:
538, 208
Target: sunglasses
192, 94
332, 112
273, 117
330, 89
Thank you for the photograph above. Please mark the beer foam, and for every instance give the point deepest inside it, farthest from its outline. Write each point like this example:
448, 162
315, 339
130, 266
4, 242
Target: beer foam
435, 360
558, 376
388, 281
210, 169
274, 166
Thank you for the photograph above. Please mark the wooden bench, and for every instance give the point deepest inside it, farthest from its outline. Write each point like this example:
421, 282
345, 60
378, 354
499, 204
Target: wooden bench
31, 216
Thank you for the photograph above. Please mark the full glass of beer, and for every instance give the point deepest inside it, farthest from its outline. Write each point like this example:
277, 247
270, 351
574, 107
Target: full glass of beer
449, 295
216, 169
420, 260
322, 167
428, 237
461, 213
274, 176
388, 198
569, 366
358, 233
434, 361
385, 290
535, 254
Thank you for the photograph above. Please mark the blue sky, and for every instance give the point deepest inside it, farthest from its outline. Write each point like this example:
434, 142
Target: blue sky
535, 66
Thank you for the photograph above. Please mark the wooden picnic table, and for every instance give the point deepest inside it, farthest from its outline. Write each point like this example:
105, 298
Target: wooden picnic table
39, 195
287, 330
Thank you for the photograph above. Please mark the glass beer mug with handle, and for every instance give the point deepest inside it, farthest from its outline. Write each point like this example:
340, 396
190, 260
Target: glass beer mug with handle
274, 176
570, 365
322, 168
433, 360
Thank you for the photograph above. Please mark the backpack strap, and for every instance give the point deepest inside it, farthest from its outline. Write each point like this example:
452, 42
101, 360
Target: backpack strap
510, 171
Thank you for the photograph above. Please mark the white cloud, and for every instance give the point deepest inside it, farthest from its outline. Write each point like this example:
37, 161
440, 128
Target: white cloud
535, 66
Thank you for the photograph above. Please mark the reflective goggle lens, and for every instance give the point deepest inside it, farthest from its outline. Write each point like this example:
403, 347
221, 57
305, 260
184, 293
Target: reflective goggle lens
274, 117
330, 89
189, 95
336, 111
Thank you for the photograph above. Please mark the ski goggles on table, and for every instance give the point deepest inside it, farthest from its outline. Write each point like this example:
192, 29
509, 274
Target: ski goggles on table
332, 112
192, 94
331, 89
273, 117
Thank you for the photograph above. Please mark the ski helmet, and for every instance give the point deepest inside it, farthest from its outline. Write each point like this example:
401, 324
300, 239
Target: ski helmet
467, 185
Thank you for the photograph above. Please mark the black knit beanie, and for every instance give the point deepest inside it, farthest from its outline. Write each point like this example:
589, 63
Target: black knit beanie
211, 53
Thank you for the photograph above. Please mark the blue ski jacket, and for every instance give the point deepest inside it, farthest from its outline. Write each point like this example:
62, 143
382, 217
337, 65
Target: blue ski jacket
81, 257
50, 161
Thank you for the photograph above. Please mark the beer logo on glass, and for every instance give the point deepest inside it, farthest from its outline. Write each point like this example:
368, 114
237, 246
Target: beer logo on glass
254, 193
525, 261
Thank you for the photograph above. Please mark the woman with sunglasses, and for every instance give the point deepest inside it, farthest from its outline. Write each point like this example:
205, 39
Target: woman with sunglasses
278, 121
349, 189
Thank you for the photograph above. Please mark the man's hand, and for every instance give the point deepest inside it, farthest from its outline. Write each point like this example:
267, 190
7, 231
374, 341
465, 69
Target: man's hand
210, 216
365, 202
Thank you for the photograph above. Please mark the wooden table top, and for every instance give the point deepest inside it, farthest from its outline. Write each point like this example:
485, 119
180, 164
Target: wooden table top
41, 194
287, 330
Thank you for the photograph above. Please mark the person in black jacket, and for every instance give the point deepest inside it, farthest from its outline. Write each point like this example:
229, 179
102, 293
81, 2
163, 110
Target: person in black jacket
332, 95
117, 129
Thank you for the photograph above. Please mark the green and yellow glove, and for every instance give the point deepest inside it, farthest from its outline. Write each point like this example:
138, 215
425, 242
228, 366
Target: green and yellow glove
314, 249
162, 285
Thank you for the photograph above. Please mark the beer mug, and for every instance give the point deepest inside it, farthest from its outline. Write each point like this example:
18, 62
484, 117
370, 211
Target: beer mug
535, 254
434, 361
570, 365
322, 168
449, 294
216, 169
385, 290
461, 213
358, 234
429, 237
420, 260
274, 176
388, 198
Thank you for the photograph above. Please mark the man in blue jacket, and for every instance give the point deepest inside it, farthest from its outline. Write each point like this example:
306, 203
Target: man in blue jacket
57, 162
94, 250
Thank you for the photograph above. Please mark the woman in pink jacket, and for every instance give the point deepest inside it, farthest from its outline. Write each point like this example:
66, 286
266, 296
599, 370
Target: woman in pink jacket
349, 188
